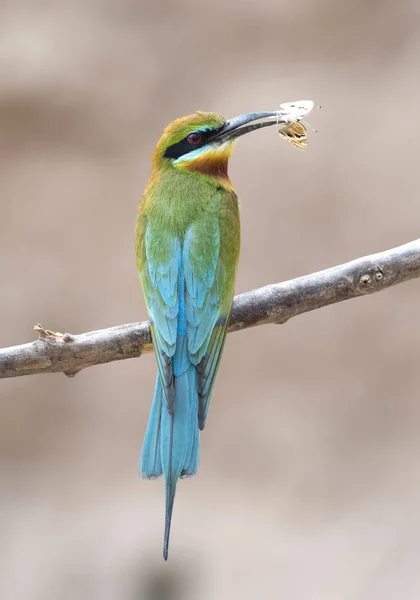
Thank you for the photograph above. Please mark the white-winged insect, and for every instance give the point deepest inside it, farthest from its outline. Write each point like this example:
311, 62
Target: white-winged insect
290, 122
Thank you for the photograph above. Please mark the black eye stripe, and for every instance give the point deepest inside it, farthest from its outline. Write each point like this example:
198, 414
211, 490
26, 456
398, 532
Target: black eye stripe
184, 146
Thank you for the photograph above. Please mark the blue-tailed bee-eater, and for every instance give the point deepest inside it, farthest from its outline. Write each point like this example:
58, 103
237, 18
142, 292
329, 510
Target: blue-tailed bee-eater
187, 247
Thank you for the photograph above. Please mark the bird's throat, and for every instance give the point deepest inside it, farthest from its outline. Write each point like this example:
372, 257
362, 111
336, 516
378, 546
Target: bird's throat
212, 163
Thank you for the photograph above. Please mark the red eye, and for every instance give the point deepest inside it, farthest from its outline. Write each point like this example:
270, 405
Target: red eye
194, 138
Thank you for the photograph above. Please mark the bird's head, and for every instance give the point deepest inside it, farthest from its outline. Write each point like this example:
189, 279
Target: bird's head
203, 142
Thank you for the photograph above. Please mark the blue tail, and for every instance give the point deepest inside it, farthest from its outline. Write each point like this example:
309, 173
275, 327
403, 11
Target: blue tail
171, 445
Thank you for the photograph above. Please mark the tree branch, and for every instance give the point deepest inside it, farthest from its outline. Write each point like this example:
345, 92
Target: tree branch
55, 352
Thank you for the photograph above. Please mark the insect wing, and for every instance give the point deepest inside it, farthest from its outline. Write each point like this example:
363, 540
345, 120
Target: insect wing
296, 134
295, 111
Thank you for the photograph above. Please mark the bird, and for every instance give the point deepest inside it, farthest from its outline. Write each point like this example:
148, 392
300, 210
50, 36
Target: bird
187, 244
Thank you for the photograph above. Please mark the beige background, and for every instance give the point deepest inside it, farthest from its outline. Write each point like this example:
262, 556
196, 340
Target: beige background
309, 481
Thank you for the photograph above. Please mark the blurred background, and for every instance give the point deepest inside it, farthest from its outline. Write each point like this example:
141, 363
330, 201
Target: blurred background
309, 479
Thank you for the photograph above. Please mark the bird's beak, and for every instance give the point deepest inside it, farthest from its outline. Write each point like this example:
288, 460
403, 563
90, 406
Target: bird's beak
233, 128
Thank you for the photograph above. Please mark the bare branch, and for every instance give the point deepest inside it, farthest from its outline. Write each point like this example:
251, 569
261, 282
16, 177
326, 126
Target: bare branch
69, 354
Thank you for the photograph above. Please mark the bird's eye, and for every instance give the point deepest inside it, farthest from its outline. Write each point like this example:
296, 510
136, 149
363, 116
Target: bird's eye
194, 138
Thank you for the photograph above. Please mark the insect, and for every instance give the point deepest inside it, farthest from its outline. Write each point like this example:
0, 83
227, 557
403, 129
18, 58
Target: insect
295, 133
291, 124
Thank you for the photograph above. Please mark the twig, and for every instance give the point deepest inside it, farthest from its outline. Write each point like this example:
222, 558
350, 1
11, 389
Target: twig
69, 354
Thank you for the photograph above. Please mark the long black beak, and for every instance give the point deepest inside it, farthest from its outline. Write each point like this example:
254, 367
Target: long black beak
233, 128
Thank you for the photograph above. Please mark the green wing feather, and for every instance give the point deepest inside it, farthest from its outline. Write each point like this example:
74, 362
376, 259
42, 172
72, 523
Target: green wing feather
210, 256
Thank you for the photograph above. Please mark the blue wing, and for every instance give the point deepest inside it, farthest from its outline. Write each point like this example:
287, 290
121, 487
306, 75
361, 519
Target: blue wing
208, 305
